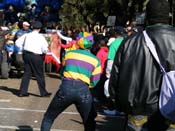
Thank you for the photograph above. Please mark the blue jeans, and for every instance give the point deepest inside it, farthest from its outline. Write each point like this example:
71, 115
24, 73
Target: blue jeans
71, 92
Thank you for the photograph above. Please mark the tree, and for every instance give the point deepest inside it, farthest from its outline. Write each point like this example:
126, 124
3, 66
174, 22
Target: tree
77, 13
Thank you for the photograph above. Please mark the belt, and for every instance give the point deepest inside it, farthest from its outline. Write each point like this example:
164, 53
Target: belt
28, 52
70, 79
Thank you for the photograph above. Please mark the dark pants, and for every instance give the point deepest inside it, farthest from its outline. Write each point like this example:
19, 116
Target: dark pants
98, 90
71, 92
33, 63
0, 56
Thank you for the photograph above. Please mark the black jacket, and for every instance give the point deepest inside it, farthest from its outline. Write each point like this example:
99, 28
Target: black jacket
2, 38
136, 78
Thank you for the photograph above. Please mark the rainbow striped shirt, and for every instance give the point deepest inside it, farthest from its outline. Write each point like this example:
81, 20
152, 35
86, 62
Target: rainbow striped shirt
82, 65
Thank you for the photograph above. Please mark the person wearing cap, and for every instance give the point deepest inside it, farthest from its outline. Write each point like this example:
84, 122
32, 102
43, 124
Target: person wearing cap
136, 78
25, 29
34, 46
113, 47
116, 38
82, 71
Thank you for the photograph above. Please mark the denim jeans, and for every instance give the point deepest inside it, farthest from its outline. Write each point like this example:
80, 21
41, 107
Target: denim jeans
71, 92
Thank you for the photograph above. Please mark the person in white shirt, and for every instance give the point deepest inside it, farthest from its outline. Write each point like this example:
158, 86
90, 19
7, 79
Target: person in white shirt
34, 47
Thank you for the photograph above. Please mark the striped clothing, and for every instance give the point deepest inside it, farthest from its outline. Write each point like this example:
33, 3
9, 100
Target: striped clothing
82, 65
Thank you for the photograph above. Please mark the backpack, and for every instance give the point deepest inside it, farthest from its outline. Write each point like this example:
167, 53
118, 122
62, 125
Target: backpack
167, 91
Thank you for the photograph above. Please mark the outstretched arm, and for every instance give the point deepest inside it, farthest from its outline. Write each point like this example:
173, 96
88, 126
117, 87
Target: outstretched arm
67, 39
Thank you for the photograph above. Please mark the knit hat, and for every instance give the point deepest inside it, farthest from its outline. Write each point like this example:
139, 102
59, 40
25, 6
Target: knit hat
84, 40
157, 11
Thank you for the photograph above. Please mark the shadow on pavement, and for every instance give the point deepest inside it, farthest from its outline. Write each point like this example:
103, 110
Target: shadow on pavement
54, 75
24, 128
13, 91
109, 122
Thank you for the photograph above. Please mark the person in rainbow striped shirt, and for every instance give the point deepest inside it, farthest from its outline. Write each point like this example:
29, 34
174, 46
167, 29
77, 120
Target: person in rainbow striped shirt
81, 71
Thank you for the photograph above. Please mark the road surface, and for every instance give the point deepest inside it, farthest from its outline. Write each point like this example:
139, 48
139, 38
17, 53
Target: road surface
26, 113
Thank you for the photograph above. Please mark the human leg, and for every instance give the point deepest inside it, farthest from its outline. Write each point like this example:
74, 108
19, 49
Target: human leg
26, 76
90, 123
59, 103
98, 90
86, 108
38, 70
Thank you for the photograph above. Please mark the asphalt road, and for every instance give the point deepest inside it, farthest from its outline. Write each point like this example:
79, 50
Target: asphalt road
26, 113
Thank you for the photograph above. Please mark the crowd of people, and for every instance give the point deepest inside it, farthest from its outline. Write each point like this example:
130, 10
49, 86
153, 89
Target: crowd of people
112, 66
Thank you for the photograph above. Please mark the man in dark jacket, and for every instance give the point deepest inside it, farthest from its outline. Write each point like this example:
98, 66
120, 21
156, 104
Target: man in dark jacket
3, 34
136, 78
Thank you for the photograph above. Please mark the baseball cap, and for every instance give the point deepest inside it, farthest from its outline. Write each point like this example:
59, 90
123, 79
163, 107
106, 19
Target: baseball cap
26, 23
119, 30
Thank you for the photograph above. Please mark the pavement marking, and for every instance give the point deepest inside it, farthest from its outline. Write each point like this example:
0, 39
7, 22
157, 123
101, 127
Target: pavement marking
27, 128
42, 111
5, 100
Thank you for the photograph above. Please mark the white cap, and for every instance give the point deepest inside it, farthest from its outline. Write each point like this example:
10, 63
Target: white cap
26, 23
110, 41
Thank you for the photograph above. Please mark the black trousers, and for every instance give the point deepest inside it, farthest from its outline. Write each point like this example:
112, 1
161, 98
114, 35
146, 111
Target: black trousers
33, 63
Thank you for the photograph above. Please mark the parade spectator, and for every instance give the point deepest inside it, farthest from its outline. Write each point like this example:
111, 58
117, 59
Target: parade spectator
102, 54
114, 42
46, 15
25, 29
136, 78
55, 48
113, 48
34, 47
96, 46
82, 71
3, 38
10, 15
32, 14
14, 28
72, 43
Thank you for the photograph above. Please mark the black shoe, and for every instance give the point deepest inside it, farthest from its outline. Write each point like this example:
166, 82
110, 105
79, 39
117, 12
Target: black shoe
46, 95
23, 95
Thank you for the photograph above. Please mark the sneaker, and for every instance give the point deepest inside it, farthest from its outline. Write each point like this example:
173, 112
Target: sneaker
113, 112
120, 113
109, 112
96, 100
46, 95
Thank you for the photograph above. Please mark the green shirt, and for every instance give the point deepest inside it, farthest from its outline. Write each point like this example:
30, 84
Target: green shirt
114, 47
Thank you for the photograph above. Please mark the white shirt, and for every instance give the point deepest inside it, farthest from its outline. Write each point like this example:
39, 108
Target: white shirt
33, 42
